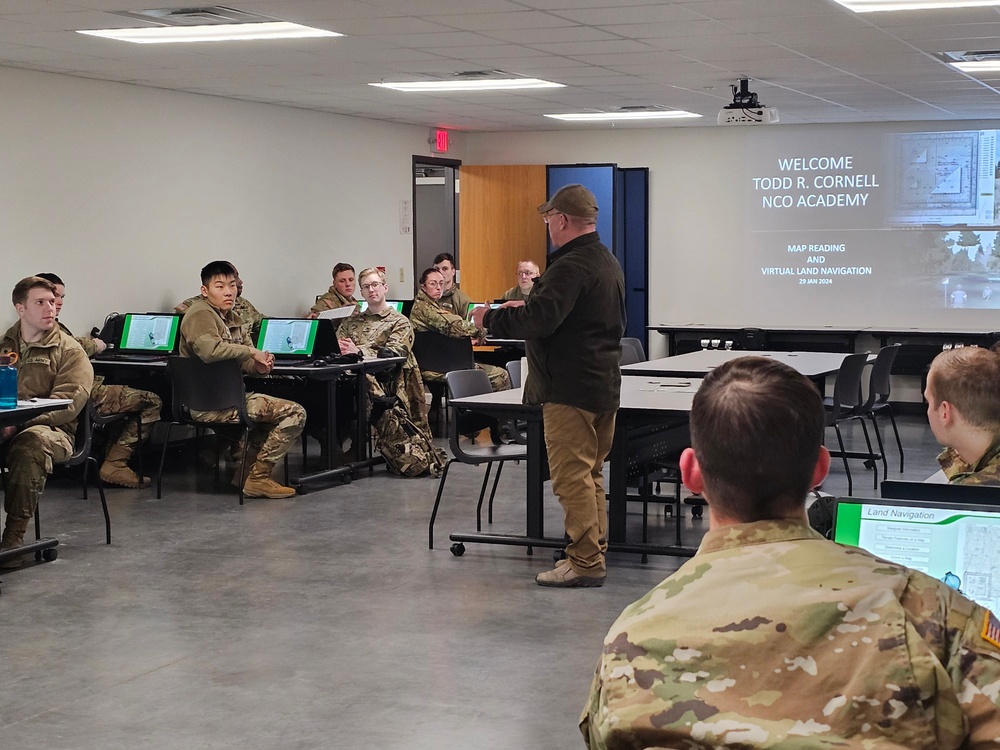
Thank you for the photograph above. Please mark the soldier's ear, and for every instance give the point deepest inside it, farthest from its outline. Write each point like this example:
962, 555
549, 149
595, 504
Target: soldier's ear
822, 467
691, 472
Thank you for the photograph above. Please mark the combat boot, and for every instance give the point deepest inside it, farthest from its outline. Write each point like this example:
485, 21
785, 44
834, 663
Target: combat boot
260, 484
115, 469
247, 466
13, 537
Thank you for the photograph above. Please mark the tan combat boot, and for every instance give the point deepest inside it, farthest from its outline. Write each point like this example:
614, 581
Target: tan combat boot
247, 466
115, 469
260, 484
13, 537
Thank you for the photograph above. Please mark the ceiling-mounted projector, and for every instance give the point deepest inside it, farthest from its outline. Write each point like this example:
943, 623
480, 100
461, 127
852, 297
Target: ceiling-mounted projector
745, 109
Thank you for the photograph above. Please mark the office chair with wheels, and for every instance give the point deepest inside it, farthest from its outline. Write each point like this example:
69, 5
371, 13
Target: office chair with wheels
847, 404
201, 386
463, 383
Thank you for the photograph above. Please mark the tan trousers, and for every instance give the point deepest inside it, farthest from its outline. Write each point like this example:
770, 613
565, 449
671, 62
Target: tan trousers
578, 442
30, 457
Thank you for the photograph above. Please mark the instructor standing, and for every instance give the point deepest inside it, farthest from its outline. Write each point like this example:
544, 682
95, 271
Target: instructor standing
572, 325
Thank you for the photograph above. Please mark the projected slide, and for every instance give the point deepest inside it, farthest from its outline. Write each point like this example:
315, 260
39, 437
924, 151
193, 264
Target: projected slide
903, 223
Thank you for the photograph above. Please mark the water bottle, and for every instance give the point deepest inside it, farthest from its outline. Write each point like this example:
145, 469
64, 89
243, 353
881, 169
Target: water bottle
8, 383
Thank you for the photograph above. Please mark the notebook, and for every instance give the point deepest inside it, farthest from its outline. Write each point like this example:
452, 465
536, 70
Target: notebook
148, 335
957, 543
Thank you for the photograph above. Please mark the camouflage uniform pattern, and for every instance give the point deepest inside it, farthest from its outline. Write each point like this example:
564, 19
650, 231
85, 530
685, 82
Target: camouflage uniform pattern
455, 301
986, 470
212, 336
54, 367
372, 331
772, 636
427, 315
331, 301
515, 294
121, 399
243, 308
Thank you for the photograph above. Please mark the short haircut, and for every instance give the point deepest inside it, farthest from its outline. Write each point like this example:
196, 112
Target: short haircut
529, 261
445, 256
20, 294
217, 268
372, 272
756, 429
427, 272
341, 267
969, 379
51, 277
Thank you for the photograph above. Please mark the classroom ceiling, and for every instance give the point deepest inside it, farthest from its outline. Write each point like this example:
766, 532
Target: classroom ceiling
814, 60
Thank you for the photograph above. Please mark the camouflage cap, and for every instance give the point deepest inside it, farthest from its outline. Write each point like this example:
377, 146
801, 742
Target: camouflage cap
572, 200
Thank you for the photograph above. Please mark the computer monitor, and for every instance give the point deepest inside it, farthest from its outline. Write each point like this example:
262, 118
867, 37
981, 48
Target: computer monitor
474, 305
288, 337
395, 304
952, 493
152, 333
953, 542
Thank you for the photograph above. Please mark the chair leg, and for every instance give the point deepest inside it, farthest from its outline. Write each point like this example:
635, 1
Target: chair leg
38, 524
482, 496
86, 467
104, 501
163, 457
493, 492
895, 431
843, 455
243, 463
881, 447
437, 502
868, 443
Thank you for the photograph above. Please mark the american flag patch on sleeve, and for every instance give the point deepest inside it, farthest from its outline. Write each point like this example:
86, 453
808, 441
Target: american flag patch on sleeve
991, 629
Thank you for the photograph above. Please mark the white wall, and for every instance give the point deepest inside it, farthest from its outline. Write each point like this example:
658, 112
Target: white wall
126, 192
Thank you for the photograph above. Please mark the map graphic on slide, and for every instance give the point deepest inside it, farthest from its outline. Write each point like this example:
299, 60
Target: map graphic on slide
943, 178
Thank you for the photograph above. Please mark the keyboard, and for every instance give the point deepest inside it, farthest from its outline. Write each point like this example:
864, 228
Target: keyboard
118, 357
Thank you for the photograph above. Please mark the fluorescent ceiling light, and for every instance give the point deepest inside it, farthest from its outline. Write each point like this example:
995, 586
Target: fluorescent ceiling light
977, 66
486, 84
871, 6
225, 32
673, 114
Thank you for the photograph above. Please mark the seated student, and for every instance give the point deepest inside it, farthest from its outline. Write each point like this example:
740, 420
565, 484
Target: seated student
50, 364
114, 399
963, 408
527, 272
772, 636
452, 299
428, 314
380, 327
242, 306
340, 293
212, 331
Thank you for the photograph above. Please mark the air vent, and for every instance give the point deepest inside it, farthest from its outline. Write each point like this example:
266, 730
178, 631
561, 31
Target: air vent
209, 15
644, 108
467, 75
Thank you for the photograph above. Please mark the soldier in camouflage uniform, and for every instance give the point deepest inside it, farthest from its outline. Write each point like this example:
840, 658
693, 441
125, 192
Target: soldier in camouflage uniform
381, 327
212, 331
49, 364
963, 408
243, 307
115, 399
773, 637
340, 293
452, 299
428, 314
527, 272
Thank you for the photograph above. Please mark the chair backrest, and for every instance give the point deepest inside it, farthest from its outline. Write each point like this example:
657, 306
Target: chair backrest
84, 436
751, 339
436, 352
879, 383
636, 345
514, 370
847, 387
462, 383
206, 386
629, 356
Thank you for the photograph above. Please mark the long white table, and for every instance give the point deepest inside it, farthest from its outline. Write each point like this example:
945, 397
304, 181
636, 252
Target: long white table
814, 365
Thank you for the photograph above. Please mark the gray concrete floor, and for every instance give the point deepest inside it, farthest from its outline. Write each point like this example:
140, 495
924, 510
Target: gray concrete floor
317, 622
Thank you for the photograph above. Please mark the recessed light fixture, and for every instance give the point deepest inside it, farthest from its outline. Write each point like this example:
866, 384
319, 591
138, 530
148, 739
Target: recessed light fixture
872, 6
671, 114
493, 84
978, 66
228, 32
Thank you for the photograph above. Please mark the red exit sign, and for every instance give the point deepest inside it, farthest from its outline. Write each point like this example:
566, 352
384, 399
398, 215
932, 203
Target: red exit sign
440, 140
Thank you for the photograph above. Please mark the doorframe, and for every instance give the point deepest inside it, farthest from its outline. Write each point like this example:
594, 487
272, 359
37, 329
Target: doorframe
432, 161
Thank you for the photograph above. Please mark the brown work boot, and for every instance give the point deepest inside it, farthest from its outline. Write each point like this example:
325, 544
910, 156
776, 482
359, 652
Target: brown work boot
247, 466
563, 576
260, 484
13, 537
115, 469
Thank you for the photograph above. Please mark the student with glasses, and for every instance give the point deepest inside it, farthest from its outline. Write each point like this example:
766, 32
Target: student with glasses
527, 272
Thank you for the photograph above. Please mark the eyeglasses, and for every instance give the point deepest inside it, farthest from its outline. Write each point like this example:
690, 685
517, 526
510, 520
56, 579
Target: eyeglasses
434, 284
546, 217
373, 285
526, 273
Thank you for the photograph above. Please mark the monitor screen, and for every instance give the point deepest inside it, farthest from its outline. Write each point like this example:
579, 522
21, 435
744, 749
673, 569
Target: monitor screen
395, 304
953, 542
284, 336
474, 305
150, 332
